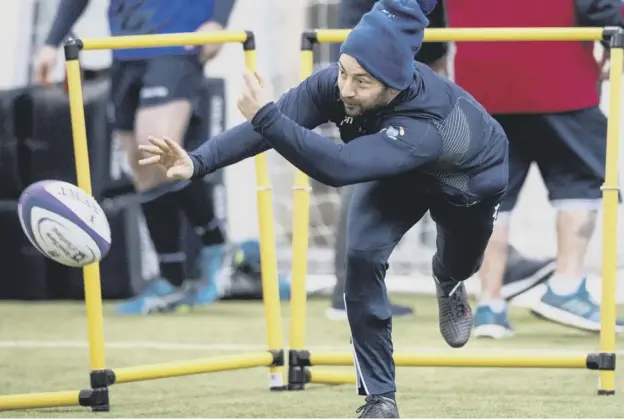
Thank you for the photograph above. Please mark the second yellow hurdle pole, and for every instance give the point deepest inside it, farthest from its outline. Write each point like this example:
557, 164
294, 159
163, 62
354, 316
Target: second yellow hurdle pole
268, 256
91, 273
610, 195
301, 223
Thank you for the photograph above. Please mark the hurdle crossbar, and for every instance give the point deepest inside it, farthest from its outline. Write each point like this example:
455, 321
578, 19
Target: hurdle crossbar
100, 377
301, 359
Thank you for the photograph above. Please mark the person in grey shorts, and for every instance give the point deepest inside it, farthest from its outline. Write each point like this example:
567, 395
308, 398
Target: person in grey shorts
154, 92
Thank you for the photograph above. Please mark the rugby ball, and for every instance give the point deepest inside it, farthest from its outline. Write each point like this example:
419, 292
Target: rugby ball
64, 223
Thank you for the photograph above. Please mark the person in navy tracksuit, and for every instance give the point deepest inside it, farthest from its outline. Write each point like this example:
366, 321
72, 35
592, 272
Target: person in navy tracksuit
153, 91
413, 141
434, 54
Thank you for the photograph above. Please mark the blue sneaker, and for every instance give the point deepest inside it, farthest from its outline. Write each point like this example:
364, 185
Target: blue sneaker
284, 287
211, 261
137, 305
577, 310
178, 300
491, 324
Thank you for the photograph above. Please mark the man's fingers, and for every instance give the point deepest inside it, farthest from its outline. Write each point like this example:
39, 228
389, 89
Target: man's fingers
251, 80
149, 160
260, 80
160, 144
247, 75
152, 149
174, 147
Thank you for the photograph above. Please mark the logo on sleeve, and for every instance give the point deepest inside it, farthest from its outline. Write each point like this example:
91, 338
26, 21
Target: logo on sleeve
393, 133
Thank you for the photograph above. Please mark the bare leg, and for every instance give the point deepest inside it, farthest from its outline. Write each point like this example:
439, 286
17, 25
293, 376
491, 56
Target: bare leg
567, 300
495, 260
491, 319
575, 227
159, 204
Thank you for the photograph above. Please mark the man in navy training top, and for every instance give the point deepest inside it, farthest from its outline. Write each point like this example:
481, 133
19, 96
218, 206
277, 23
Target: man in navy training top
153, 91
434, 54
414, 141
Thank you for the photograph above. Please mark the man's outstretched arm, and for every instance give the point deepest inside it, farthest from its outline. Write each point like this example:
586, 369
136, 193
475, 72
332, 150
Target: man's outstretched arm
307, 104
396, 149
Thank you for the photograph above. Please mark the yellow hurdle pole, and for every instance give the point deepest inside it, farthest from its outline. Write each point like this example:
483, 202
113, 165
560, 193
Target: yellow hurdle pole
93, 292
485, 34
471, 360
319, 376
610, 194
42, 400
164, 40
268, 257
301, 227
191, 367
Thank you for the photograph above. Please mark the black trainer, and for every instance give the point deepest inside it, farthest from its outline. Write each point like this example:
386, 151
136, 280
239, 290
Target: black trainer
378, 407
455, 313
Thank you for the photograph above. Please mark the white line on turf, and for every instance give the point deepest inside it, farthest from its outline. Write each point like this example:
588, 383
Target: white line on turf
172, 346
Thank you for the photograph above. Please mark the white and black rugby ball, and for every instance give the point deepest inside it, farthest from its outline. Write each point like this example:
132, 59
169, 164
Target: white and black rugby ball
64, 223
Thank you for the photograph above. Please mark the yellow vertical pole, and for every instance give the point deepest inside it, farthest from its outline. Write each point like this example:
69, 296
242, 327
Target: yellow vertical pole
610, 215
270, 289
91, 273
93, 294
301, 227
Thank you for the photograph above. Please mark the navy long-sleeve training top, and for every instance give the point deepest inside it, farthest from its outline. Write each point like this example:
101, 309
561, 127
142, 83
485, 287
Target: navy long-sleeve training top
433, 131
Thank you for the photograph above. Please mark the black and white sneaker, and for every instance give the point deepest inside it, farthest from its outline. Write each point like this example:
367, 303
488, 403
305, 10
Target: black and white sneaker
378, 407
455, 313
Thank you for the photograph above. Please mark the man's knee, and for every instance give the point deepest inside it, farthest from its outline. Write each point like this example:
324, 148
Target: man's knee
169, 120
458, 269
369, 262
365, 291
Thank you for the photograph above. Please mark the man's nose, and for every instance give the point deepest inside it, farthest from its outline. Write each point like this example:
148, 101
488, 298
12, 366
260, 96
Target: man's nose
347, 91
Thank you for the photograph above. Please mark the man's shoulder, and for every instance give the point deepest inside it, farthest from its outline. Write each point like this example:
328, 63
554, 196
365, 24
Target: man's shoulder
418, 132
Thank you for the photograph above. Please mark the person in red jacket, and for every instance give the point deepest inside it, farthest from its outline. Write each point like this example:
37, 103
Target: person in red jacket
544, 95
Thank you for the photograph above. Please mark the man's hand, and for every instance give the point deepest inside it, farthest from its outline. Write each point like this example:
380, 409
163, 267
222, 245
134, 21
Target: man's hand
254, 96
604, 65
209, 51
170, 155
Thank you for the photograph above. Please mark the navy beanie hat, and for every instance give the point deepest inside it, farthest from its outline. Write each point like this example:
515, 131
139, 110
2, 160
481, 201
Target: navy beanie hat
387, 38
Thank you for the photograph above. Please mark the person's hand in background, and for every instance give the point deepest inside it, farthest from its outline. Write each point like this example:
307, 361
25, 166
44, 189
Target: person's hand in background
208, 51
604, 65
44, 65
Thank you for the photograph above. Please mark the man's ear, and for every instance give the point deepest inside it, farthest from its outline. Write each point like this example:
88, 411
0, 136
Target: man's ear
392, 93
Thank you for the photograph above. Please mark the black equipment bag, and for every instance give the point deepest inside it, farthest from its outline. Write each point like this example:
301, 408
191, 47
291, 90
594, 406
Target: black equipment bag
23, 274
